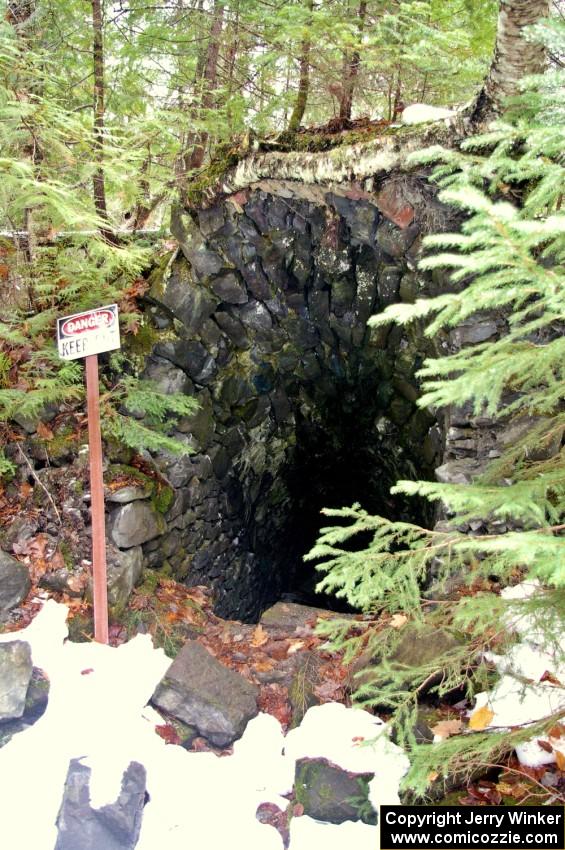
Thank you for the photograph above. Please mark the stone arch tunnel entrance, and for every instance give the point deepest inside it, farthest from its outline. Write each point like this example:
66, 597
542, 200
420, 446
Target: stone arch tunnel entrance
262, 315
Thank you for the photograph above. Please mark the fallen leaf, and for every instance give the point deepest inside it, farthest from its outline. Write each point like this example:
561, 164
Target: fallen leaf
44, 431
480, 718
545, 746
553, 680
557, 731
87, 671
398, 620
168, 733
57, 561
297, 810
490, 792
295, 646
329, 691
432, 776
199, 595
505, 788
260, 636
26, 490
472, 801
514, 789
560, 759
263, 666
446, 728
140, 602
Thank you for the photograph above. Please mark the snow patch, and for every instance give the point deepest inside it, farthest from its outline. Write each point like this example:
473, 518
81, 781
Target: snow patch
420, 113
524, 695
97, 712
356, 741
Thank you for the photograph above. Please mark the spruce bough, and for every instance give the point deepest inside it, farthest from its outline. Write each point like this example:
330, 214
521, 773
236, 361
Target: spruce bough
509, 183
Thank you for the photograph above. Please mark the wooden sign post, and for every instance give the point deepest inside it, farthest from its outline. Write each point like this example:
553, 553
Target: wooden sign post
87, 335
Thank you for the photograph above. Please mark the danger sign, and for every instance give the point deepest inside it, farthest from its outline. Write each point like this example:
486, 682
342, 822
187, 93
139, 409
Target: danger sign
88, 333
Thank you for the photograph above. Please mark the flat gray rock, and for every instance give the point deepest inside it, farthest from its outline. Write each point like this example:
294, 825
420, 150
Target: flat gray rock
203, 693
292, 615
134, 524
112, 827
15, 675
14, 583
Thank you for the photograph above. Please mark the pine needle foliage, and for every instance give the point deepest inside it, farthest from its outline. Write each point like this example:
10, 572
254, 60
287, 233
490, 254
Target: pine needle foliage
62, 262
507, 259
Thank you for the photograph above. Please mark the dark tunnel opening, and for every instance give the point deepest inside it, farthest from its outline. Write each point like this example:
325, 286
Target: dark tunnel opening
347, 451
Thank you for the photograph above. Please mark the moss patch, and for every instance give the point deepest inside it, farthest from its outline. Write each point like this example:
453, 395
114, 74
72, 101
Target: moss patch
163, 498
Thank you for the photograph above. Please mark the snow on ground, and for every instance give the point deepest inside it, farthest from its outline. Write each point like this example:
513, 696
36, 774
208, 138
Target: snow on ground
419, 113
328, 730
97, 711
524, 694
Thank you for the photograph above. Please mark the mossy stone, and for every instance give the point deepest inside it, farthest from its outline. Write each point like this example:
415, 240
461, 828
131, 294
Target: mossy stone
163, 498
422, 645
330, 793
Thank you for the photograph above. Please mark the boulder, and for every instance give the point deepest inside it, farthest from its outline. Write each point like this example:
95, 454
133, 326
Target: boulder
125, 569
229, 289
393, 240
472, 333
14, 583
393, 204
112, 827
178, 469
330, 793
201, 692
21, 529
167, 378
15, 675
421, 646
64, 581
458, 471
35, 704
134, 524
289, 616
256, 317
30, 423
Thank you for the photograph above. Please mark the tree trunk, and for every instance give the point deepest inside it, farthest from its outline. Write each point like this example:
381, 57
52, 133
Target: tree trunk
195, 159
19, 14
514, 56
98, 181
231, 61
352, 68
304, 82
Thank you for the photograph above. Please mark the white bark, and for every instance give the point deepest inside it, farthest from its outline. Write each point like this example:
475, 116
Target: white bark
515, 57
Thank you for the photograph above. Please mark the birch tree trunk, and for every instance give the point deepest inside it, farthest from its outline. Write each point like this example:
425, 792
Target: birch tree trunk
514, 56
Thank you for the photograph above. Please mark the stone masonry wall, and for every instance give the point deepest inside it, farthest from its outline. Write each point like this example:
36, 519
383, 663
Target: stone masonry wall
261, 314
